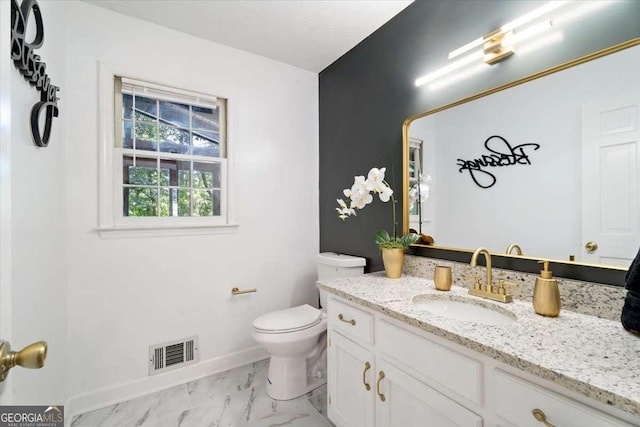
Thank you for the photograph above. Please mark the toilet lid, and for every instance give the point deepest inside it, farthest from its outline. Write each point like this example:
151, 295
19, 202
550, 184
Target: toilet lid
289, 320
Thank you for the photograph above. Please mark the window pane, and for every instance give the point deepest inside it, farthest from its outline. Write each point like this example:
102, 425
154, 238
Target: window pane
202, 203
127, 138
146, 137
144, 172
165, 202
184, 174
127, 106
184, 202
216, 202
146, 109
206, 175
140, 201
206, 143
174, 173
205, 118
174, 140
174, 113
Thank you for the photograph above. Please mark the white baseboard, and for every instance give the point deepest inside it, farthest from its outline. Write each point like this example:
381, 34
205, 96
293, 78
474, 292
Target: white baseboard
100, 398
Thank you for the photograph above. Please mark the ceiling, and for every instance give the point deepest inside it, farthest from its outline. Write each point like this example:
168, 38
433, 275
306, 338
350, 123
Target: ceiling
308, 34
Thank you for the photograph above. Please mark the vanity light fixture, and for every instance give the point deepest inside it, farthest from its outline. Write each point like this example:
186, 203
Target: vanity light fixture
495, 46
524, 19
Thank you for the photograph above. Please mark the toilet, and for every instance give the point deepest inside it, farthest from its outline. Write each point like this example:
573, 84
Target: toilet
296, 337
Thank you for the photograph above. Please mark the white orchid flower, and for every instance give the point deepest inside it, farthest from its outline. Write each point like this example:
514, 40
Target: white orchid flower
375, 179
344, 210
359, 187
385, 194
361, 201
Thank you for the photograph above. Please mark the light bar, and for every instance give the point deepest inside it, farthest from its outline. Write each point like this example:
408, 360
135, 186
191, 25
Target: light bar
542, 10
449, 68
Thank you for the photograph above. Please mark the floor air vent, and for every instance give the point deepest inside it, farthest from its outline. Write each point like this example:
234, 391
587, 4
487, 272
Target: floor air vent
173, 355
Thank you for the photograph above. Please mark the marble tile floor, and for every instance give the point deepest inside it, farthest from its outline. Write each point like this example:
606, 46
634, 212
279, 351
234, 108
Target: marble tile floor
235, 398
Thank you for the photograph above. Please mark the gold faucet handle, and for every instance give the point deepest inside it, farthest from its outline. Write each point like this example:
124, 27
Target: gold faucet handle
475, 278
501, 286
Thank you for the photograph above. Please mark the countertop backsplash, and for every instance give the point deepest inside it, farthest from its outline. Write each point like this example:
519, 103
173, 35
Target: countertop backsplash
582, 297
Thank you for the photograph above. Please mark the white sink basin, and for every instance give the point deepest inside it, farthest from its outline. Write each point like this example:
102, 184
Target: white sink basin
464, 309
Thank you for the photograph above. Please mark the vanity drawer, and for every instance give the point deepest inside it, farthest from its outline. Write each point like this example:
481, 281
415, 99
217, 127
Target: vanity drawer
515, 399
350, 321
448, 369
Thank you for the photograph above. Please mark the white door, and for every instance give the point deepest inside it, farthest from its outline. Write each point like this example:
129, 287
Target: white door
611, 181
351, 383
411, 403
19, 317
5, 192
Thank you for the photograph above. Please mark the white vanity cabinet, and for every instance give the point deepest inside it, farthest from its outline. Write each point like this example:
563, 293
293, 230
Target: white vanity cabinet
384, 373
367, 388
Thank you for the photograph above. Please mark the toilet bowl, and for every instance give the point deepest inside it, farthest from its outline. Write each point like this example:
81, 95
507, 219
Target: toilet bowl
296, 340
296, 337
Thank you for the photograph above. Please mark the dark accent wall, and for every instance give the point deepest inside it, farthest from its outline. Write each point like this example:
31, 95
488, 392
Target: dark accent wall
367, 94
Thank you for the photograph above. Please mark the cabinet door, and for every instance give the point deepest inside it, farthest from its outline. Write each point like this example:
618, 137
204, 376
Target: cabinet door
351, 369
408, 402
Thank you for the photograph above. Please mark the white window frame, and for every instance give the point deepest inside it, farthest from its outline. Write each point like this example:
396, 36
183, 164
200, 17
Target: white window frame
112, 222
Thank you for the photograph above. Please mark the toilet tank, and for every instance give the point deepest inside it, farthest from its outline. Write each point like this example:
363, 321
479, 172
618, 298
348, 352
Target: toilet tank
332, 266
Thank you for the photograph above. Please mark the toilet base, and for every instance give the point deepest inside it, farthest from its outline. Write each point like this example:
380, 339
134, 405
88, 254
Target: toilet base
288, 378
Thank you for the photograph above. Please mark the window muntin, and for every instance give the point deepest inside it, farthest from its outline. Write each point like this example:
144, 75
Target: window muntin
172, 149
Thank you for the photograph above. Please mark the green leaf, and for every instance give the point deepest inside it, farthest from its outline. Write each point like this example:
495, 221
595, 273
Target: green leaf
409, 239
382, 237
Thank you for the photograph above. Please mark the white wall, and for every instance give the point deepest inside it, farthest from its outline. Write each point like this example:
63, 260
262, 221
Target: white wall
35, 223
529, 205
125, 294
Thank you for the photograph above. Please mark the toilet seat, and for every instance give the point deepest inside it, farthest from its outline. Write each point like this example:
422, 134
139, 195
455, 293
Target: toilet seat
288, 320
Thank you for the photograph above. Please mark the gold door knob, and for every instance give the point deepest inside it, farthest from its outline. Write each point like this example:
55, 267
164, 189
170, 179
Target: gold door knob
32, 357
591, 246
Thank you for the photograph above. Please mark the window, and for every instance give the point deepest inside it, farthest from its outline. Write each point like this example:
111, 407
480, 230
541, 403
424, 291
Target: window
415, 169
170, 155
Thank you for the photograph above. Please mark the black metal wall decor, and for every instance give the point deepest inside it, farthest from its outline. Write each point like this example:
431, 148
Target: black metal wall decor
32, 69
502, 154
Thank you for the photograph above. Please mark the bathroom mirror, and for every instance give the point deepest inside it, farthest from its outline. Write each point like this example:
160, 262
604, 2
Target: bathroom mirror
550, 163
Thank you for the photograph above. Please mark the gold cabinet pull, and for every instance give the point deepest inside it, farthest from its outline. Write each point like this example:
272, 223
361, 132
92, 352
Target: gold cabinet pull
236, 291
591, 246
380, 378
352, 321
367, 366
540, 416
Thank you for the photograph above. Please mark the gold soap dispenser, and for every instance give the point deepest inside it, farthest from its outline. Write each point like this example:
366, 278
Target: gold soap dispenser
546, 295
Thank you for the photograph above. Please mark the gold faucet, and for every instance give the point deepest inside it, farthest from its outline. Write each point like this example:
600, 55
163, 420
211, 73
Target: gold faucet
512, 247
500, 294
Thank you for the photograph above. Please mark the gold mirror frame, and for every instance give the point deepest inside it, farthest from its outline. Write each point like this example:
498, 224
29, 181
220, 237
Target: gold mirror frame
455, 254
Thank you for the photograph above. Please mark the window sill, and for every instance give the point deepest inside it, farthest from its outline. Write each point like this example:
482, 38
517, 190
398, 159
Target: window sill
165, 231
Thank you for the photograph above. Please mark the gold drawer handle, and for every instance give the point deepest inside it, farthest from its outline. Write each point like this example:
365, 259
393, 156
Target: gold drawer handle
236, 291
352, 321
367, 366
380, 378
540, 416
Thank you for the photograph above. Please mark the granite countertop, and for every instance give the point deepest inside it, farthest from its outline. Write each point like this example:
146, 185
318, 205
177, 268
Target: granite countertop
586, 354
